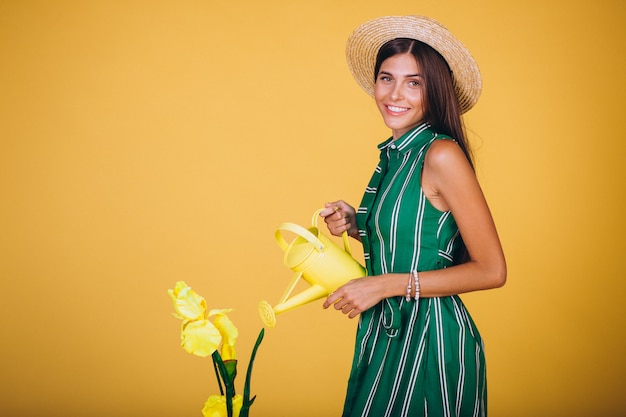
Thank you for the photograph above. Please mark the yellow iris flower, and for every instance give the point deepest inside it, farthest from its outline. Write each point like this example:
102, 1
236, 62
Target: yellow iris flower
203, 334
199, 335
215, 406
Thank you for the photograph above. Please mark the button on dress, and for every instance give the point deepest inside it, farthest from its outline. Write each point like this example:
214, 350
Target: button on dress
412, 358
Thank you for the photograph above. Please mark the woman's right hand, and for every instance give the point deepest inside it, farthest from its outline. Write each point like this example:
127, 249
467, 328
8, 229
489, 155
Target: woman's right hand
339, 217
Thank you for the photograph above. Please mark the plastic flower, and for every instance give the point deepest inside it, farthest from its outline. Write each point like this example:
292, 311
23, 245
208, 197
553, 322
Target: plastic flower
203, 337
228, 331
202, 334
200, 337
215, 406
187, 304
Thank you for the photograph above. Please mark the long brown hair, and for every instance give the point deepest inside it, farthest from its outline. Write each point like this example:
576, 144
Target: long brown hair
441, 107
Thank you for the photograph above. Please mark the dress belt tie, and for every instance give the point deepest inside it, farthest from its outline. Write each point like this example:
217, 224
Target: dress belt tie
391, 316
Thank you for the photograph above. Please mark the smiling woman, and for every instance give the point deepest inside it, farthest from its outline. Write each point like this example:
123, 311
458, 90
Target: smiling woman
426, 230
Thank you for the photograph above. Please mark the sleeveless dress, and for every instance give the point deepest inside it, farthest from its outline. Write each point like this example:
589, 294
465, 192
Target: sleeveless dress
412, 358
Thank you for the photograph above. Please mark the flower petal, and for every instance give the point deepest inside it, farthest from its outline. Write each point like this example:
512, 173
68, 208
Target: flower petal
215, 406
229, 336
216, 311
237, 404
187, 303
200, 337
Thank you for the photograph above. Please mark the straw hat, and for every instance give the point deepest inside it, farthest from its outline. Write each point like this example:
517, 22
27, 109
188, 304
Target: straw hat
364, 43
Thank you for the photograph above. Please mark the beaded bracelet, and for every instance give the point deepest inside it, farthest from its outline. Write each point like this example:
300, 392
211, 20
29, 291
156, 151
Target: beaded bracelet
417, 285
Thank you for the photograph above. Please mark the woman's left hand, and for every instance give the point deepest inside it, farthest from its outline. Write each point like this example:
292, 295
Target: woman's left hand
357, 295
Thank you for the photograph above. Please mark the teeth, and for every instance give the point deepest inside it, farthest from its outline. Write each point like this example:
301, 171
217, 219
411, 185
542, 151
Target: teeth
397, 109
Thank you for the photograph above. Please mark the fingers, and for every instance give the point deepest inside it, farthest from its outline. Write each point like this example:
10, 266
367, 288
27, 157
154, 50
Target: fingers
338, 216
341, 302
342, 207
338, 225
337, 206
332, 208
332, 298
357, 295
345, 307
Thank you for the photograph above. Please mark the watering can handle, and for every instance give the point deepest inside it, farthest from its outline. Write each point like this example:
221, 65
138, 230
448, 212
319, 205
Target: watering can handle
299, 230
344, 235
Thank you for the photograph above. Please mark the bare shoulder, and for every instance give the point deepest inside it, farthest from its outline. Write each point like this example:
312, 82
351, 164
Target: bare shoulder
446, 170
445, 154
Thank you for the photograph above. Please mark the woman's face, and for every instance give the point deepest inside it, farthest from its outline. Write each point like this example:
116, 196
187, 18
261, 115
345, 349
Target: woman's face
399, 93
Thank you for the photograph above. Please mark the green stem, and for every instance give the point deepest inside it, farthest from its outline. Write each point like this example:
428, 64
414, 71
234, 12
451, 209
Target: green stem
217, 375
228, 382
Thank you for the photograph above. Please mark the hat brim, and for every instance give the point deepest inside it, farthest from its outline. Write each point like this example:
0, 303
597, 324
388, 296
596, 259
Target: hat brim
363, 45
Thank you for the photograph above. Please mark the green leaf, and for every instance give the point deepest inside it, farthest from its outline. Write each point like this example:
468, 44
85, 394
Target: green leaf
228, 382
247, 402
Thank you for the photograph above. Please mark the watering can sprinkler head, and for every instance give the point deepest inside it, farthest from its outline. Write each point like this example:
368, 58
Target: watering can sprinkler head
316, 259
268, 317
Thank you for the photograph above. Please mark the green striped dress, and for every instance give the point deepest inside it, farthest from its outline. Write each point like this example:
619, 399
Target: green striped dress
411, 358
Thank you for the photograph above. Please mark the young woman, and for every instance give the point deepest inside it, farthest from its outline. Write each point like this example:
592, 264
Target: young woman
426, 229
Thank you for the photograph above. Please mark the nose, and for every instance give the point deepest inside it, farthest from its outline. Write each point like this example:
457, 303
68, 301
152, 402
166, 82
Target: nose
396, 92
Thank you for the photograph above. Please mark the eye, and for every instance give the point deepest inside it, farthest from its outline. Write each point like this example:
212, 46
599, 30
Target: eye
414, 83
385, 78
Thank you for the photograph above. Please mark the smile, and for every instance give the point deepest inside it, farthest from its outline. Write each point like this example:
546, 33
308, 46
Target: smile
396, 109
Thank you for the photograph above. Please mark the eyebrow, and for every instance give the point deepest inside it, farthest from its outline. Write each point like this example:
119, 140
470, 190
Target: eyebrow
406, 76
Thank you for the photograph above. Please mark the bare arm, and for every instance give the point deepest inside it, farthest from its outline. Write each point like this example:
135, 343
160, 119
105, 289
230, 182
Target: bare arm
448, 179
450, 184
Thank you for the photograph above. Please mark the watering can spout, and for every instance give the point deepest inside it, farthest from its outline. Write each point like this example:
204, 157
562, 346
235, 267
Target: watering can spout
268, 313
317, 260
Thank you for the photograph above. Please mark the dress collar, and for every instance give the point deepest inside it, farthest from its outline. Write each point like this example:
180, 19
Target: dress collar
418, 135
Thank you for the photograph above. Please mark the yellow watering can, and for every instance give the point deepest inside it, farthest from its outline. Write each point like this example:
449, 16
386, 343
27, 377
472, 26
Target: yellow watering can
315, 258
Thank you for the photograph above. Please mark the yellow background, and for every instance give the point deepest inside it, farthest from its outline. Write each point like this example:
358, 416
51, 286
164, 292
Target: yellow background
145, 142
